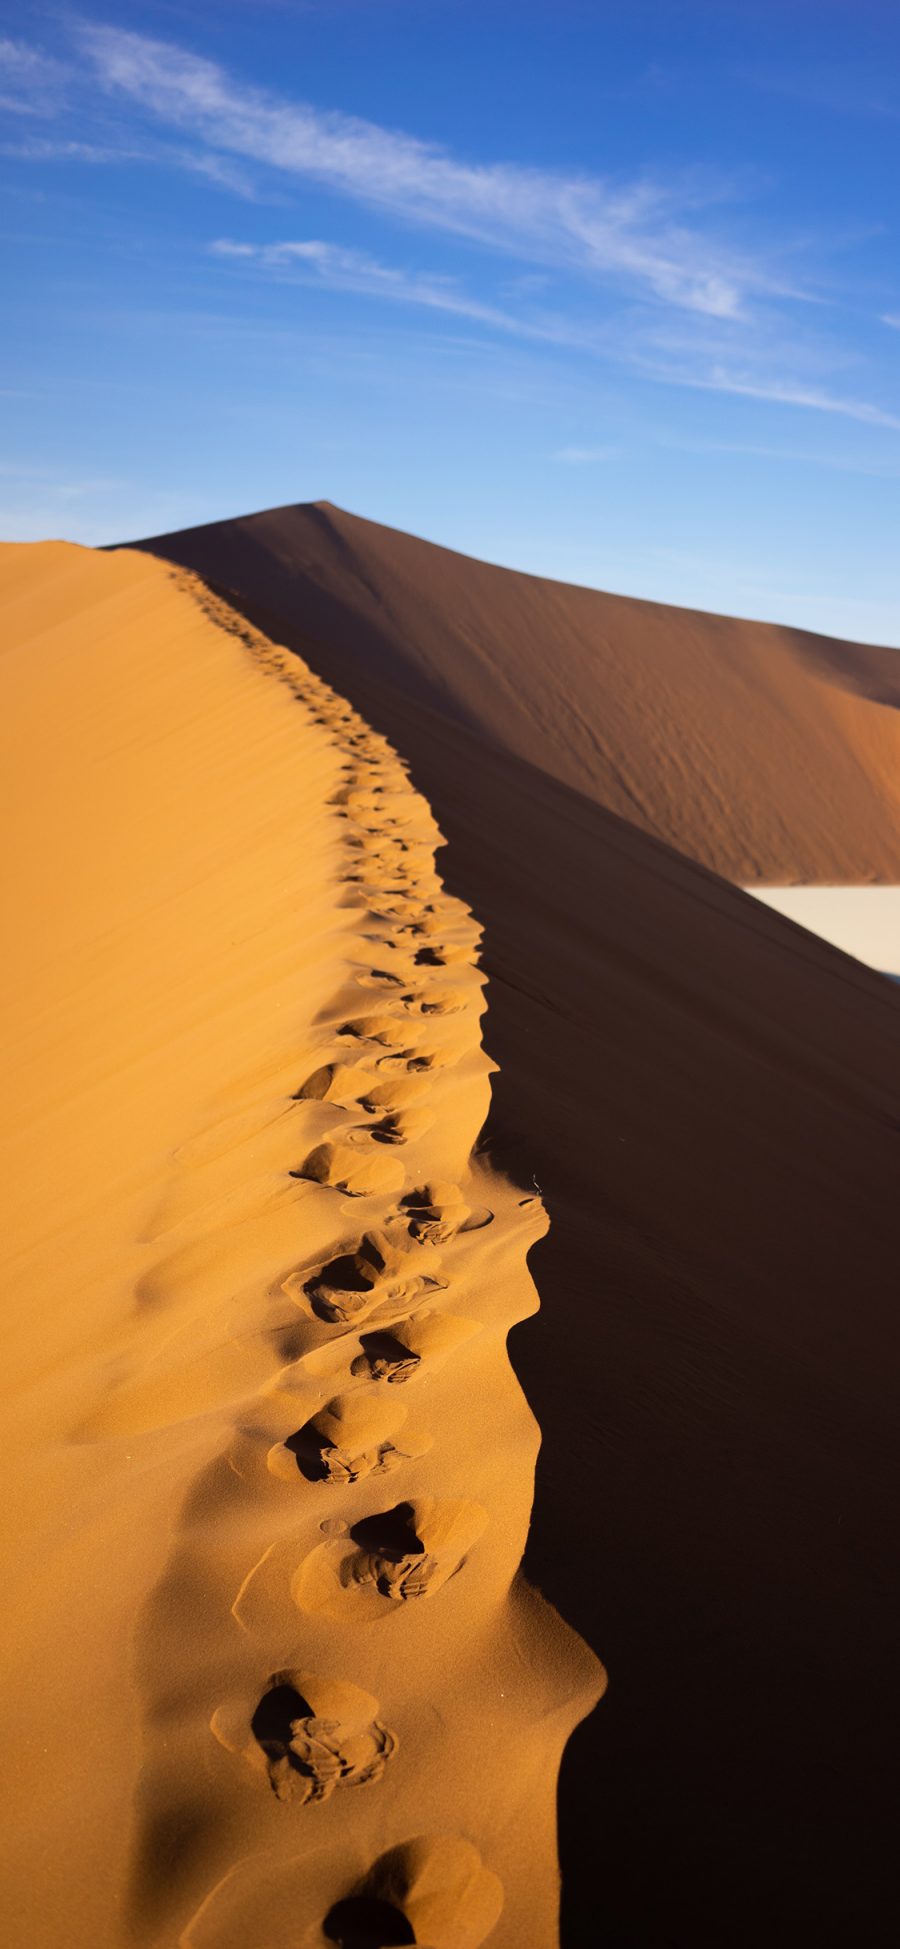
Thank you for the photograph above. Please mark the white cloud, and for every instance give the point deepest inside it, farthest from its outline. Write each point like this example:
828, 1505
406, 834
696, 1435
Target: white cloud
630, 232
219, 170
30, 81
787, 392
58, 149
343, 269
224, 247
641, 238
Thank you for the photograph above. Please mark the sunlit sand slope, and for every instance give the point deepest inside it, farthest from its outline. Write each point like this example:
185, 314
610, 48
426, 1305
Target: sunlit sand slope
766, 753
268, 1668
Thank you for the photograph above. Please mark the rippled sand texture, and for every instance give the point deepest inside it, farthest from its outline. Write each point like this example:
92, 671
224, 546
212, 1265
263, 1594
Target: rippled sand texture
272, 1674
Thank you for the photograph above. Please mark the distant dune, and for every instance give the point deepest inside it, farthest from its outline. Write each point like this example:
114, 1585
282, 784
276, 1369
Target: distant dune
710, 1102
765, 753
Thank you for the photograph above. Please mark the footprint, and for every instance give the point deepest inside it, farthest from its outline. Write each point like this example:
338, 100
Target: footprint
434, 1889
383, 1270
393, 1095
319, 1085
401, 1126
416, 1062
334, 1082
441, 1001
392, 1557
385, 978
352, 1436
394, 1354
358, 796
429, 921
413, 1548
310, 1735
450, 1002
352, 1166
438, 1211
391, 1030
399, 905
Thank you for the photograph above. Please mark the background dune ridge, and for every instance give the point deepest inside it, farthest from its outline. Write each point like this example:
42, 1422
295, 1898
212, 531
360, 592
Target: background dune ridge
250, 1067
765, 753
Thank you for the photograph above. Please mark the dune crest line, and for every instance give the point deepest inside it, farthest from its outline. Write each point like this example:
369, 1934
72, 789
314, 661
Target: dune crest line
353, 1706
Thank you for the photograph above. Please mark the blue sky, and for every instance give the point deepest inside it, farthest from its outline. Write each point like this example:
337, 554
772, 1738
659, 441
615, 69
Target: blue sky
609, 292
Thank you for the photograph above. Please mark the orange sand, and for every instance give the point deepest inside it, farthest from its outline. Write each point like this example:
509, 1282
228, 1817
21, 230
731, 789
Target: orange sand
252, 1685
234, 1072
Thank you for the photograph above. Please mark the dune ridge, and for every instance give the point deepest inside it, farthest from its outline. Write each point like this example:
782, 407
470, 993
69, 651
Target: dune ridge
387, 1111
709, 1099
764, 752
350, 1703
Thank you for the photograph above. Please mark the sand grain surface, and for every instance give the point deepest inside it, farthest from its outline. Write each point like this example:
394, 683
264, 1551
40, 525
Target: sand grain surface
268, 1666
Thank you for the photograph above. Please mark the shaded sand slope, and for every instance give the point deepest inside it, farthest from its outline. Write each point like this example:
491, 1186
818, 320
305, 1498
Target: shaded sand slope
710, 1100
251, 1686
765, 753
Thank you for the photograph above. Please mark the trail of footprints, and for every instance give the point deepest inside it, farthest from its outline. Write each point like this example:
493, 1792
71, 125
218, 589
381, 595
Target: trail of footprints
357, 1327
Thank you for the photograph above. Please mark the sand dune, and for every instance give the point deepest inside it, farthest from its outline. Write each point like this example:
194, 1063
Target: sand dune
709, 1100
765, 753
267, 1217
254, 1690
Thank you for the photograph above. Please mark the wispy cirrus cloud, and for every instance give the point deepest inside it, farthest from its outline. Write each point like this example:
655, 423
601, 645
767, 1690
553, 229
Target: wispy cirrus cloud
45, 148
42, 87
219, 170
634, 232
785, 392
31, 82
623, 262
343, 269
